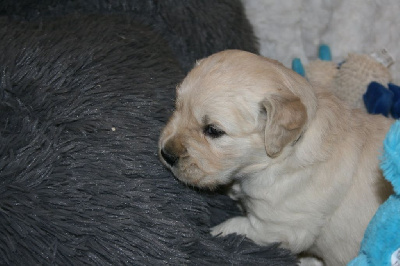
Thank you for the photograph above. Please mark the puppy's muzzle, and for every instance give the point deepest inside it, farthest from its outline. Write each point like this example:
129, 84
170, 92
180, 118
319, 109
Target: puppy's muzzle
172, 151
169, 157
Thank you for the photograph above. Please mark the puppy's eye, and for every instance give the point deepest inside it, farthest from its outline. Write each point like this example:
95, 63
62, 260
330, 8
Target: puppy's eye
213, 132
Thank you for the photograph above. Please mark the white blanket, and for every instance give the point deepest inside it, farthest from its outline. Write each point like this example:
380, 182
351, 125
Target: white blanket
295, 28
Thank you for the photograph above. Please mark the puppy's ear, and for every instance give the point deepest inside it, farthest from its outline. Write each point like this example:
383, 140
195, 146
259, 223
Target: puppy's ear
286, 116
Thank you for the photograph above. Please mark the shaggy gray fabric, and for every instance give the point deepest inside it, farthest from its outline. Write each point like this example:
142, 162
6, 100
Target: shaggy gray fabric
82, 103
193, 29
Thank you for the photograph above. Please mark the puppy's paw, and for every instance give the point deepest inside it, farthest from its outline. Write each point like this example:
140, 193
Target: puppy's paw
236, 225
235, 192
310, 261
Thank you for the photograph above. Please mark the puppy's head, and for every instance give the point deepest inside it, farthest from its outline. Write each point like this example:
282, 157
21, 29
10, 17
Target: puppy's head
235, 113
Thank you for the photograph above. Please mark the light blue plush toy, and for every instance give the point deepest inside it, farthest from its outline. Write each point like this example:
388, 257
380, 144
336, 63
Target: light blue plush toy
381, 243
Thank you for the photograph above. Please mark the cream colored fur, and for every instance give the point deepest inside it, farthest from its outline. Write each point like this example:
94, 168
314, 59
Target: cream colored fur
303, 164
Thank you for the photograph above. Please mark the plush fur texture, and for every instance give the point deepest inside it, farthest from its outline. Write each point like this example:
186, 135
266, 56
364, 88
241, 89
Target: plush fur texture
83, 100
303, 165
192, 29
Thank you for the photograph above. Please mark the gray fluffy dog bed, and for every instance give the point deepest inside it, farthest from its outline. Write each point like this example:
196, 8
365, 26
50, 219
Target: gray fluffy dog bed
83, 99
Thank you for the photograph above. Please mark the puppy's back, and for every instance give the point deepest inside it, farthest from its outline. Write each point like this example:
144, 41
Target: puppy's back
340, 237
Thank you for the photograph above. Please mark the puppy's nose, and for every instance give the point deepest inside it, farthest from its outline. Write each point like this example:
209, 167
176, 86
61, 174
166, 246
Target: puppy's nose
169, 157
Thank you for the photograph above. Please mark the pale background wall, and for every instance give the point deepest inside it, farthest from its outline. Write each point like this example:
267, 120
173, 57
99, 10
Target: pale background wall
294, 28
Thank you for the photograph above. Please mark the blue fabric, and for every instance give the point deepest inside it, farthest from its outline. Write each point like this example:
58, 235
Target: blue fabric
391, 157
297, 66
378, 99
396, 100
324, 53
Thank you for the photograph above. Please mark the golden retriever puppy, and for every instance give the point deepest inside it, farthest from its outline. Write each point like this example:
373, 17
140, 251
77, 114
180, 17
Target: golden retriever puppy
302, 163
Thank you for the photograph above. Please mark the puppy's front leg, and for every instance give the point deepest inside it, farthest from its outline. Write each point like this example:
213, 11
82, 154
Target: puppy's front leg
237, 225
